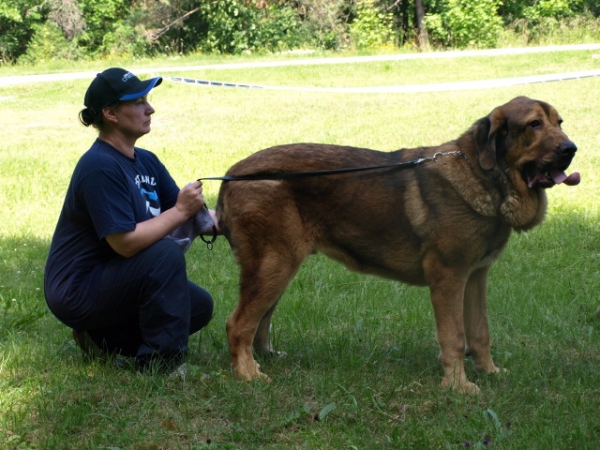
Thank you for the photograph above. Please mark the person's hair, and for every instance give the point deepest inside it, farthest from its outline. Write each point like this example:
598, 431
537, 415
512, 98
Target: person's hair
90, 117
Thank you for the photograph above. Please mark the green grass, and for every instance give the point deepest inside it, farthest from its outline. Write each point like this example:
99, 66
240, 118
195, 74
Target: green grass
361, 369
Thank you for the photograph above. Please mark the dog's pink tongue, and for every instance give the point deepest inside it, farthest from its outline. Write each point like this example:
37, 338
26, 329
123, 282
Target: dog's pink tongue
561, 177
573, 179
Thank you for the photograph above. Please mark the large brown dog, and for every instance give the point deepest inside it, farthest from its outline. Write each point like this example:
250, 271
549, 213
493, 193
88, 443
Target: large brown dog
440, 224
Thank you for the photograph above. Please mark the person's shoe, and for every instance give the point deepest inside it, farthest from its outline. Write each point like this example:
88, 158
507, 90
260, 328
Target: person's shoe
185, 370
176, 371
87, 345
180, 371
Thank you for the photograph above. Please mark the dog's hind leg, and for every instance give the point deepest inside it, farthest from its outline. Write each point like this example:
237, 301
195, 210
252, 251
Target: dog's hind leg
262, 284
262, 339
476, 324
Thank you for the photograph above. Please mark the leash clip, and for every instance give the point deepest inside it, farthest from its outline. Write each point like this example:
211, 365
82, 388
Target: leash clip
209, 242
435, 157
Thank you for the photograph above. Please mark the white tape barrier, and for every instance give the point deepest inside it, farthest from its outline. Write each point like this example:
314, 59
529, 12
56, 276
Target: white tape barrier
435, 87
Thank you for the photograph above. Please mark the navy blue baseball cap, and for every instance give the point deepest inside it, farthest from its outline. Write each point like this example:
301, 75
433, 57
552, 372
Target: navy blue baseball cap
116, 84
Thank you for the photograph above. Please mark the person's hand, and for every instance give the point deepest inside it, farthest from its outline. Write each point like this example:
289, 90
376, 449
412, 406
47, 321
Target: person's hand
190, 199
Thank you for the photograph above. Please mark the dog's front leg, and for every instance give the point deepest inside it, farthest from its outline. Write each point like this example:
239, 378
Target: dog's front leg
447, 288
476, 323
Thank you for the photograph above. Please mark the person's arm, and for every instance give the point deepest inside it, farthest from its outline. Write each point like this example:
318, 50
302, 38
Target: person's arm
189, 201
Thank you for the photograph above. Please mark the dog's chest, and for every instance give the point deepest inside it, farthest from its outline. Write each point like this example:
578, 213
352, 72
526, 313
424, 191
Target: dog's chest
495, 243
488, 259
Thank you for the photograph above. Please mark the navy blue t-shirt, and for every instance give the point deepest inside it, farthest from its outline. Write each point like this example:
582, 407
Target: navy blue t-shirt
108, 193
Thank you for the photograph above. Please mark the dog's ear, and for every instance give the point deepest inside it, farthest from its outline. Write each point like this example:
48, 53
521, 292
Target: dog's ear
488, 130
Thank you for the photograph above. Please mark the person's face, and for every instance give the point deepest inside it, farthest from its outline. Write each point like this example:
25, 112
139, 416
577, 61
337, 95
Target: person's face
132, 117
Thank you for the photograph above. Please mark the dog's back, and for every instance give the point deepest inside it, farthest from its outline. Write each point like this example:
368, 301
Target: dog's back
372, 221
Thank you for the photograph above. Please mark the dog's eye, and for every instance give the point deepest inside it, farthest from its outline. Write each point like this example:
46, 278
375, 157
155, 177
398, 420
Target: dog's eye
535, 124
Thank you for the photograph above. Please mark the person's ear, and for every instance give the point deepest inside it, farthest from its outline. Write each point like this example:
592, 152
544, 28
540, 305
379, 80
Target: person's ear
110, 113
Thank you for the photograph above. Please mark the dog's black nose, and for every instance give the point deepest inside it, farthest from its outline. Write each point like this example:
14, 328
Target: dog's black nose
567, 148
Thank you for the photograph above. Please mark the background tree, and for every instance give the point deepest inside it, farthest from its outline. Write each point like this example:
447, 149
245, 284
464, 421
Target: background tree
422, 36
17, 19
465, 23
409, 21
35, 30
67, 16
371, 27
326, 22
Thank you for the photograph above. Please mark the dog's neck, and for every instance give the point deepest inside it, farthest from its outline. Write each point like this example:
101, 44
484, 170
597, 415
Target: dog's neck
521, 207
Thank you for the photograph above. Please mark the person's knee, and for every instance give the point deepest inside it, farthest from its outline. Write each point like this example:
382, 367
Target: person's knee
167, 252
202, 306
167, 260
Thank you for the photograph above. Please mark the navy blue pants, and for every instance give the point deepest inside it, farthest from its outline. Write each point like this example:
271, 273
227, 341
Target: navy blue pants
143, 306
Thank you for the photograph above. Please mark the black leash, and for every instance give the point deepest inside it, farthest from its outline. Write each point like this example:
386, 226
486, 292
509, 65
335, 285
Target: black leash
293, 175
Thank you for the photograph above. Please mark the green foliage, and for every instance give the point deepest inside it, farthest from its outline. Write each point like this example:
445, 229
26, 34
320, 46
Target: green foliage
592, 6
466, 24
234, 27
9, 12
280, 28
549, 8
102, 18
49, 44
125, 41
371, 28
535, 10
537, 21
231, 26
17, 21
96, 29
326, 22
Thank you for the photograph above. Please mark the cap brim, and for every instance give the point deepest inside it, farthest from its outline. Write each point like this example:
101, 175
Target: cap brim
146, 86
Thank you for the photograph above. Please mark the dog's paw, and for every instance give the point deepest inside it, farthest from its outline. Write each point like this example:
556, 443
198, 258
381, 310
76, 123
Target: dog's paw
467, 387
260, 375
495, 370
252, 372
487, 366
264, 378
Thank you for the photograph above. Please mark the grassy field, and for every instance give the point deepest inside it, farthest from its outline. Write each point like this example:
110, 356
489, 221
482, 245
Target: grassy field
361, 370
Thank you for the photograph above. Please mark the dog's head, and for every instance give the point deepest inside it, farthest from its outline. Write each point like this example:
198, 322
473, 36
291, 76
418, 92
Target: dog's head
525, 135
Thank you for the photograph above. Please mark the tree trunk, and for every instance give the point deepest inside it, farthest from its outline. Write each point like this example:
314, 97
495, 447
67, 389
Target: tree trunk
422, 38
155, 34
